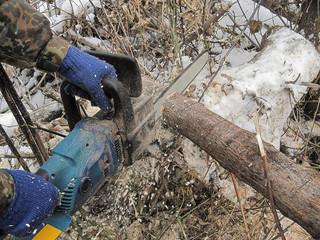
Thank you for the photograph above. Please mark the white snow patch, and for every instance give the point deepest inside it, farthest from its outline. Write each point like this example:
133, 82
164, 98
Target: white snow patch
9, 123
73, 8
270, 83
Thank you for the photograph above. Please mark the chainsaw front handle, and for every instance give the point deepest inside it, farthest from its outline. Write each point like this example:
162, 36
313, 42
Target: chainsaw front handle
114, 90
129, 84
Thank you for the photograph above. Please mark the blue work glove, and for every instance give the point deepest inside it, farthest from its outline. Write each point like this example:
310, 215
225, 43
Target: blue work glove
34, 199
85, 72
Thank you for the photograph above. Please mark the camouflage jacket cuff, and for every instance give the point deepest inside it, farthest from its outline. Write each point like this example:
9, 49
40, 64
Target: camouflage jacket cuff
6, 191
53, 54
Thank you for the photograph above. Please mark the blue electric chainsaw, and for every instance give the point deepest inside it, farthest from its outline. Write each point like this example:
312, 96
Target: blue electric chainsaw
96, 146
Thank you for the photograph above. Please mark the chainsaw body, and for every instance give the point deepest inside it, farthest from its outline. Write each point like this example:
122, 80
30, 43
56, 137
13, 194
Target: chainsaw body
92, 152
98, 145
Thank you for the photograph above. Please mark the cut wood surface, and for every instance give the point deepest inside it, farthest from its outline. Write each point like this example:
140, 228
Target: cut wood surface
295, 188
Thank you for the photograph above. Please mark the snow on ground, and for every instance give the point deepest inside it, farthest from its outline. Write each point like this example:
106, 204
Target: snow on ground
9, 123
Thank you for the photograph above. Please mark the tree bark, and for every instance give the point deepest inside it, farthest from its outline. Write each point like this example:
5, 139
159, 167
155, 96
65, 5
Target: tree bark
295, 188
309, 21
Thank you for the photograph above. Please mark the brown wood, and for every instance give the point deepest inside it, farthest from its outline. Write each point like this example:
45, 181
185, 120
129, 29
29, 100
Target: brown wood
309, 21
295, 188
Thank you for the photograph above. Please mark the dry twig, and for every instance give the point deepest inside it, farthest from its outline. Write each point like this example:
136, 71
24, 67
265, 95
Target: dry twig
241, 207
265, 160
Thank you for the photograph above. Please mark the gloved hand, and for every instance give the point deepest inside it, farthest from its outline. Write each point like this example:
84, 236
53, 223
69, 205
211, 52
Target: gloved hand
34, 199
86, 71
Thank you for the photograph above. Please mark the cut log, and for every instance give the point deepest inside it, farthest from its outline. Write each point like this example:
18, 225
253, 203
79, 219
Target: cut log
295, 188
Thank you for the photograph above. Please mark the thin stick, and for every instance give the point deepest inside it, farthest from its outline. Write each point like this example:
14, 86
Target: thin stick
38, 85
256, 44
266, 170
116, 36
26, 116
22, 116
212, 19
13, 149
24, 96
318, 25
244, 14
13, 156
168, 225
172, 220
241, 207
21, 123
224, 58
182, 229
47, 130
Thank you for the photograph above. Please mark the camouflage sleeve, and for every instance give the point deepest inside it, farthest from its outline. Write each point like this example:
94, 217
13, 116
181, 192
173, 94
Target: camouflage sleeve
26, 39
6, 191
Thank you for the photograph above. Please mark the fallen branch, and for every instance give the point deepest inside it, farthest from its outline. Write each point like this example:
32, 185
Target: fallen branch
295, 188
